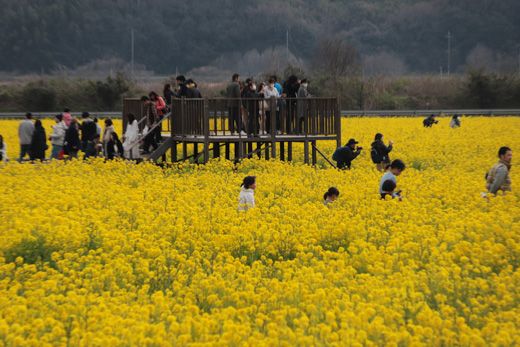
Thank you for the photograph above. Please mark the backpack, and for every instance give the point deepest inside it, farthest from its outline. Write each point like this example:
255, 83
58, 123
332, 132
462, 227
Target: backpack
376, 159
335, 155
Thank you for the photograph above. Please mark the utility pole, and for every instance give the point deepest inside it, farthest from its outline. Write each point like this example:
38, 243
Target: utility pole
132, 53
449, 53
287, 46
518, 61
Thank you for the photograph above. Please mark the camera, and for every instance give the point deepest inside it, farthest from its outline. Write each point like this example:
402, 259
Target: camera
359, 148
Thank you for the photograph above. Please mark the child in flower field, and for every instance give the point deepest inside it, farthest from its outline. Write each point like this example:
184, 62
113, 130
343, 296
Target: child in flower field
388, 189
392, 171
246, 199
330, 195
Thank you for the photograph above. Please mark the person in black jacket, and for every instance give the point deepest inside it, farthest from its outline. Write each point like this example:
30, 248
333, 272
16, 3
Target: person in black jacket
380, 152
181, 83
290, 91
114, 147
193, 92
38, 142
72, 144
344, 155
88, 135
251, 106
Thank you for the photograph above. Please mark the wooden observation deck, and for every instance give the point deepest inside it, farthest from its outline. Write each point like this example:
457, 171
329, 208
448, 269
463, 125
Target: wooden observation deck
241, 128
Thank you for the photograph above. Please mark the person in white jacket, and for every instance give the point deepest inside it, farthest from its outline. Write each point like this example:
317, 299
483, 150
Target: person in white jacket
3, 149
57, 136
130, 139
246, 199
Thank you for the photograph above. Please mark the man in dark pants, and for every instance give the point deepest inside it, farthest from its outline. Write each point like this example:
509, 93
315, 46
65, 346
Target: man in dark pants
233, 92
344, 155
88, 135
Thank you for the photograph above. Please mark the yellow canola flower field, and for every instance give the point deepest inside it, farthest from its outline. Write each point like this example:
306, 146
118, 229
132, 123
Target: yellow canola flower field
117, 254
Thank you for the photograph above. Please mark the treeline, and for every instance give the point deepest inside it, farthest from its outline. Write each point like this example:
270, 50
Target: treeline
170, 35
46, 95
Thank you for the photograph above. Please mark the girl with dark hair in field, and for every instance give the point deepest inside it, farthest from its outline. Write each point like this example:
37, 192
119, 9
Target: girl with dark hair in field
246, 199
330, 195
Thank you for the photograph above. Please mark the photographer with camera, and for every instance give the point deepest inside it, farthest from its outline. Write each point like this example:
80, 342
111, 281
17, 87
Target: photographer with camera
429, 121
344, 155
380, 152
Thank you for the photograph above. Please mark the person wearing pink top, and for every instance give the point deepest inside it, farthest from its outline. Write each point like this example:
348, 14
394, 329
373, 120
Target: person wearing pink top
67, 117
162, 109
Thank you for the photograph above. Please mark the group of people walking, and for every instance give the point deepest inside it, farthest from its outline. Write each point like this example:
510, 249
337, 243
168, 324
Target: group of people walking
67, 138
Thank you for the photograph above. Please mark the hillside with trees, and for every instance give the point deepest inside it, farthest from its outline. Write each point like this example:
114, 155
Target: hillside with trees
392, 36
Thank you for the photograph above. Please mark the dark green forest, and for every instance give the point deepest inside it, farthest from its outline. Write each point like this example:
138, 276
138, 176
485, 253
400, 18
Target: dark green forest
40, 36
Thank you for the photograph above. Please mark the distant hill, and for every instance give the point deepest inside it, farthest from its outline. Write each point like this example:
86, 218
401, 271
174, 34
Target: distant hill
173, 35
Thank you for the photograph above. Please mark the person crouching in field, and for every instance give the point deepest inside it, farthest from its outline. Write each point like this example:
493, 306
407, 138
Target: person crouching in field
379, 152
388, 189
429, 121
498, 176
330, 195
246, 199
393, 170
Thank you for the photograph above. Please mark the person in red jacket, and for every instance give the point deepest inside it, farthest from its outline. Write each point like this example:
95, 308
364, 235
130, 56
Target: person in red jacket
162, 110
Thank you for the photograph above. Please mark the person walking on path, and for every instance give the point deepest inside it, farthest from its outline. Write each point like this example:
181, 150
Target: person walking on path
345, 155
393, 170
88, 135
25, 134
380, 151
38, 142
130, 145
497, 177
246, 199
107, 135
72, 143
57, 137
67, 117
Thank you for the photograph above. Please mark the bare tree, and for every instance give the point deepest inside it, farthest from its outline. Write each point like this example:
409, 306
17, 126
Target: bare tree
335, 58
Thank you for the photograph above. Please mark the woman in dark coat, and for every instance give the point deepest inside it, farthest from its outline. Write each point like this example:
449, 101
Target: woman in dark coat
380, 152
72, 142
38, 142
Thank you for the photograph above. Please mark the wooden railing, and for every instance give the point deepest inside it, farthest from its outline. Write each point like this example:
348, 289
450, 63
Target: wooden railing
255, 117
